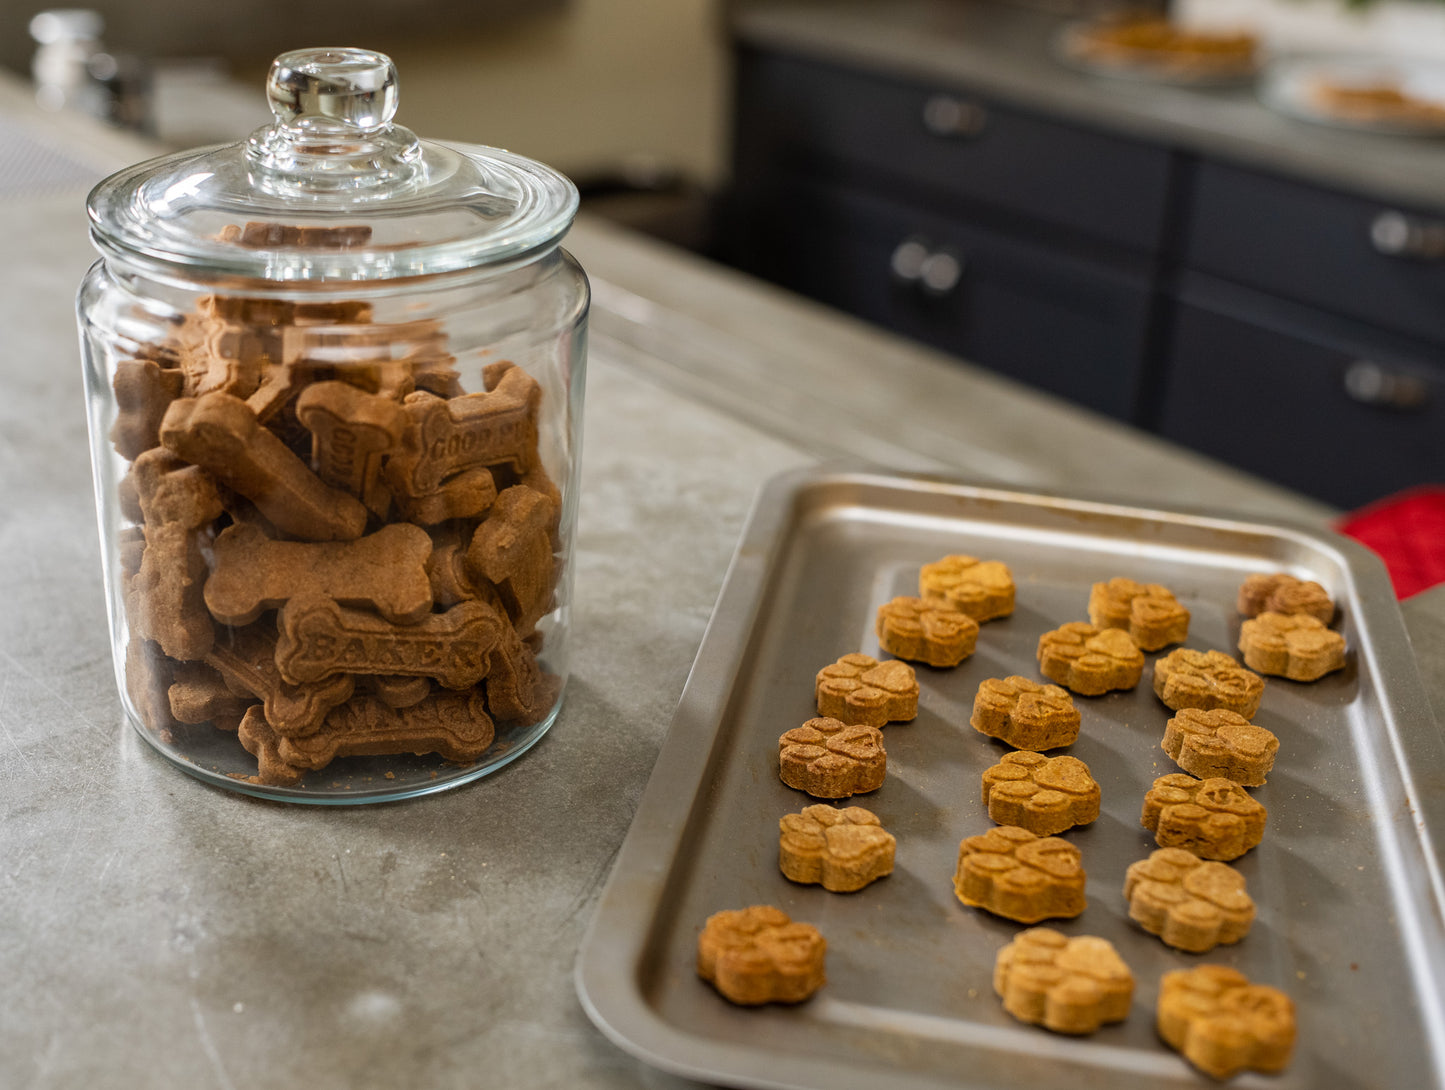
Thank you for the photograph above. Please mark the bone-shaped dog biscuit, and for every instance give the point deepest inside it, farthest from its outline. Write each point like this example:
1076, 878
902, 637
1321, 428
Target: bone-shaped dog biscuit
453, 725
512, 550
320, 638
351, 432
247, 661
222, 434
143, 389
386, 570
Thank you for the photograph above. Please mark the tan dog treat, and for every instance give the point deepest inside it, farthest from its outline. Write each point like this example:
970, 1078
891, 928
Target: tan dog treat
1044, 795
147, 677
251, 573
351, 433
1281, 593
320, 638
1220, 743
518, 689
131, 546
165, 600
247, 662
268, 236
1014, 874
758, 955
447, 572
1025, 714
926, 630
449, 438
218, 356
1206, 680
263, 743
199, 694
832, 760
395, 692
222, 434
860, 689
455, 726
1066, 985
1191, 904
512, 550
1292, 645
143, 390
1223, 1024
1213, 818
984, 589
841, 850
1149, 612
1089, 660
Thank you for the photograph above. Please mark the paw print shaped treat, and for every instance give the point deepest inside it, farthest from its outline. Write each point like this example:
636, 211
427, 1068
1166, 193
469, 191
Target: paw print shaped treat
1019, 876
860, 689
1207, 679
1089, 660
1025, 714
1066, 985
841, 850
984, 589
1220, 743
1223, 1024
1292, 645
832, 760
1191, 904
758, 955
926, 630
1044, 795
1148, 612
1214, 818
1281, 593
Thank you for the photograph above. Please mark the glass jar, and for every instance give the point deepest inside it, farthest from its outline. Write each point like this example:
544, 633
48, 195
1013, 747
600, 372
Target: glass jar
334, 378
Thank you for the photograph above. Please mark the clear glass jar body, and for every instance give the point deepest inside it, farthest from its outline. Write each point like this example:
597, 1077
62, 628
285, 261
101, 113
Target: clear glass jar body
336, 519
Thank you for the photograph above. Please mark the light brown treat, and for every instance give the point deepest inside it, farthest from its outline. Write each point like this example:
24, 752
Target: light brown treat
351, 433
1206, 680
1213, 818
926, 630
164, 600
198, 694
454, 726
128, 497
1282, 593
219, 356
320, 638
512, 550
860, 689
1089, 660
1191, 904
1149, 612
830, 759
841, 850
263, 743
222, 434
758, 955
1044, 795
1296, 646
265, 236
1066, 985
246, 658
984, 589
251, 573
1025, 714
147, 677
1220, 743
382, 359
447, 572
131, 548
143, 389
395, 692
459, 439
518, 690
1014, 874
1223, 1024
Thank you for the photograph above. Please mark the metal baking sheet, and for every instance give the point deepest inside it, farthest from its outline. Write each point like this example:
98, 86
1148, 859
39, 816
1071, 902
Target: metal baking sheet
1347, 880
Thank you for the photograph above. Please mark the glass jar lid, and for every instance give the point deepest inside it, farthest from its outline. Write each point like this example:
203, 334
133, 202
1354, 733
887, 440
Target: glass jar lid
332, 190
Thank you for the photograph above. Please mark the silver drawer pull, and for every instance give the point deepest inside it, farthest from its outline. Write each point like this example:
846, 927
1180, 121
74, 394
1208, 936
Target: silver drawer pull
1395, 234
934, 272
1370, 384
944, 115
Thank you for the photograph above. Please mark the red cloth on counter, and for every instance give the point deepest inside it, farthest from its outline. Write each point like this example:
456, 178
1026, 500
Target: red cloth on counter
1407, 530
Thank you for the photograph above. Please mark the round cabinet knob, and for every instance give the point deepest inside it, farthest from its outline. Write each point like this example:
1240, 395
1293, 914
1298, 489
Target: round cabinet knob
1395, 234
1371, 384
333, 89
945, 115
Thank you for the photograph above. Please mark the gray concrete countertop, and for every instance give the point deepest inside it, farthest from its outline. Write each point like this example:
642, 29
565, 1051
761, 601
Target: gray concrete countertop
1006, 51
161, 933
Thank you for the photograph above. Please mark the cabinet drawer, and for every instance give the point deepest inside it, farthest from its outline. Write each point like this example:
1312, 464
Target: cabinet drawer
1373, 261
1343, 424
1057, 323
800, 113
